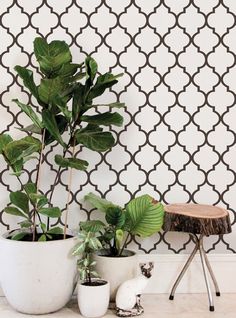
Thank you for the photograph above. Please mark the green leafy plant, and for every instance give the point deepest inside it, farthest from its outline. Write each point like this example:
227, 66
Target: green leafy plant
65, 99
87, 245
142, 216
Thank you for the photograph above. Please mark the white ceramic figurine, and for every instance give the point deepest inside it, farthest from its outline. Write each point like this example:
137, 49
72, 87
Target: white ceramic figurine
129, 293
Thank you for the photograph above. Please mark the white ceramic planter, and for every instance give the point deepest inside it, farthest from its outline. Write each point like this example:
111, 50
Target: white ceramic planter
93, 301
116, 270
37, 277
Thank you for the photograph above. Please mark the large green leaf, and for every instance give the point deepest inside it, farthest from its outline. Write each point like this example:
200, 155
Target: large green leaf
92, 226
78, 100
52, 212
20, 200
91, 69
61, 104
99, 203
50, 124
18, 236
4, 140
14, 211
28, 110
51, 56
49, 88
71, 162
61, 125
103, 82
16, 150
104, 119
145, 216
94, 138
28, 80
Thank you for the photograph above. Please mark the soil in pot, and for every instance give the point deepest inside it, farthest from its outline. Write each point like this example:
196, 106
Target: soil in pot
95, 283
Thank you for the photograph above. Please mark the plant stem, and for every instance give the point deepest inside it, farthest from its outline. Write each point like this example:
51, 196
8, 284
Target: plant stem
69, 190
38, 176
125, 242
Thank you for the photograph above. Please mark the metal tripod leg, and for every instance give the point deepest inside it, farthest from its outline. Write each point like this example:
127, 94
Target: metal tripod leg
211, 273
171, 297
204, 267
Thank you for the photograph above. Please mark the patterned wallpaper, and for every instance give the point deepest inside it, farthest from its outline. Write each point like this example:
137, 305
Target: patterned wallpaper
178, 142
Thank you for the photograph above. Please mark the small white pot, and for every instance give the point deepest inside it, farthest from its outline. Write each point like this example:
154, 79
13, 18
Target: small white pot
93, 301
116, 270
37, 277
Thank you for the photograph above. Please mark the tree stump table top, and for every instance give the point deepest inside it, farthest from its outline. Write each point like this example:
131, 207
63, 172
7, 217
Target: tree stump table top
197, 219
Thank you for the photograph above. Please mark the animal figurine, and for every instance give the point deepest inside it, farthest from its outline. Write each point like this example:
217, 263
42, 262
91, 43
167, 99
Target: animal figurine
129, 293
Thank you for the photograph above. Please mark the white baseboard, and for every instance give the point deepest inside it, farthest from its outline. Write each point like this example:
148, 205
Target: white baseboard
167, 267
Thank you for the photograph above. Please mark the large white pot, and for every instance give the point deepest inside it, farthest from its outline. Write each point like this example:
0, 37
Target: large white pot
93, 301
37, 277
116, 270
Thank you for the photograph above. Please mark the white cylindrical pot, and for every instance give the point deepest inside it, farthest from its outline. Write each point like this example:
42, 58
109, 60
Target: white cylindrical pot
37, 277
93, 301
116, 270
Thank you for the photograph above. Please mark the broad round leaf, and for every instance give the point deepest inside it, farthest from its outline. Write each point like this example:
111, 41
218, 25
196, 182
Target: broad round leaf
145, 216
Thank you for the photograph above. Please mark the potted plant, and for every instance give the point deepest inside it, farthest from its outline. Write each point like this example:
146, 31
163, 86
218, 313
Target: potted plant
37, 271
93, 293
142, 216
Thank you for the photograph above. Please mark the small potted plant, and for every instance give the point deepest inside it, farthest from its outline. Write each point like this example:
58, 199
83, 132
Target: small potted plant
93, 293
37, 271
142, 216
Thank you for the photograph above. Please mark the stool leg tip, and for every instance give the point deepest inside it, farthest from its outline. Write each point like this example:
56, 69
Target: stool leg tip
217, 293
171, 297
212, 308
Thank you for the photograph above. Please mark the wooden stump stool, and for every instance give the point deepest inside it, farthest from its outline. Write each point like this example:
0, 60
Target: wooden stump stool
198, 220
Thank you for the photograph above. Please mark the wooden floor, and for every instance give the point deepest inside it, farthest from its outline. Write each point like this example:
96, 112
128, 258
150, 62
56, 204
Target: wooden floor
155, 306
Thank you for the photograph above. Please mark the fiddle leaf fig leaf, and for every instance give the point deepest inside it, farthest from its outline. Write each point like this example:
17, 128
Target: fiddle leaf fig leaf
28, 80
94, 138
25, 224
40, 199
16, 150
50, 124
51, 56
55, 230
78, 100
61, 104
28, 110
20, 200
61, 123
52, 212
42, 238
4, 140
18, 236
71, 163
91, 69
104, 119
14, 211
49, 88
103, 82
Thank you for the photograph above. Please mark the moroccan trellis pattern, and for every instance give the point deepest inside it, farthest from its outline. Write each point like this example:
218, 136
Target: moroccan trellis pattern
178, 142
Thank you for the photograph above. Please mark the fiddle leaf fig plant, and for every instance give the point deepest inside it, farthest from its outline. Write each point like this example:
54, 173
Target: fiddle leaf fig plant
142, 216
65, 114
